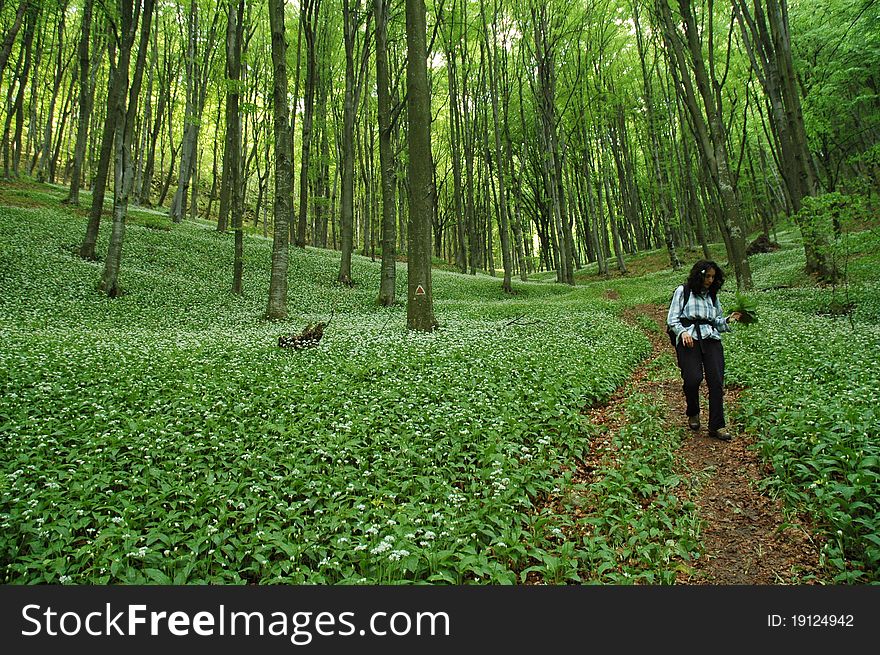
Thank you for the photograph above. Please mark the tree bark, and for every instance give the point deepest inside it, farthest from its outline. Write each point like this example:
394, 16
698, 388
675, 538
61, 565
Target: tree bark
16, 108
709, 128
232, 148
309, 12
124, 124
164, 75
461, 253
85, 104
387, 164
768, 43
656, 157
353, 80
118, 84
420, 298
277, 308
198, 70
43, 172
503, 222
9, 39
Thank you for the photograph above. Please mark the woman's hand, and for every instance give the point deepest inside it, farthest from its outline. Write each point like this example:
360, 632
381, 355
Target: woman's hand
687, 340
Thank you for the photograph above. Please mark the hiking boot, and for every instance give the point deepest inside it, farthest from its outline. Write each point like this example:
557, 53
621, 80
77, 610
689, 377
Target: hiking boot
694, 423
721, 435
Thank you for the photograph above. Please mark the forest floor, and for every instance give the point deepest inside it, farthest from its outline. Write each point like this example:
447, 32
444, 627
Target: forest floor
747, 539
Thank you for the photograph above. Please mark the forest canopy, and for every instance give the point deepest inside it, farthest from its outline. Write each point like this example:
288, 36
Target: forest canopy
556, 134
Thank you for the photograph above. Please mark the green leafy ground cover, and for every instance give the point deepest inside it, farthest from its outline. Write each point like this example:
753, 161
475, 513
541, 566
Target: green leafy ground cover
812, 379
811, 375
162, 437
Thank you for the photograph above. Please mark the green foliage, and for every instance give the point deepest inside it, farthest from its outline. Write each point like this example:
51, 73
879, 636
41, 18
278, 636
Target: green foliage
152, 220
746, 306
812, 383
834, 210
813, 394
836, 47
163, 436
640, 530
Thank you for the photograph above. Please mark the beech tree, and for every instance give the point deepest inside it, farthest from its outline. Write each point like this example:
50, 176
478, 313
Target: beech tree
356, 58
766, 37
277, 308
198, 67
560, 134
387, 165
706, 119
124, 121
420, 298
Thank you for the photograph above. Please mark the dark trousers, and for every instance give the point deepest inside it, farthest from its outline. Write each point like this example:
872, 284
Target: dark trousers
706, 356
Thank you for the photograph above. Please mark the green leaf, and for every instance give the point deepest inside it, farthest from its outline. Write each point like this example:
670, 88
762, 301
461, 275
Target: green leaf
157, 576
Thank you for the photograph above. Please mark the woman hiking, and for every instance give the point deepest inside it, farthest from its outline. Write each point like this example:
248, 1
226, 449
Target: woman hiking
697, 321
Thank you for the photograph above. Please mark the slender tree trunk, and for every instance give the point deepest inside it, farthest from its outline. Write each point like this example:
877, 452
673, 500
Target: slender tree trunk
85, 104
9, 37
143, 148
199, 58
190, 126
164, 74
656, 158
299, 41
766, 36
709, 128
546, 97
309, 12
232, 147
349, 22
277, 308
503, 222
115, 96
124, 123
461, 253
60, 67
387, 164
61, 137
215, 169
16, 111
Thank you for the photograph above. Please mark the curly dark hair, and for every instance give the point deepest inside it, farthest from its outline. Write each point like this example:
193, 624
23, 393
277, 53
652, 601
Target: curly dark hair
695, 278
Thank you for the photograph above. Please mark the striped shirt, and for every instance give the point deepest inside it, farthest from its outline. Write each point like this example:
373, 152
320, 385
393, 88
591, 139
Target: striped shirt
698, 306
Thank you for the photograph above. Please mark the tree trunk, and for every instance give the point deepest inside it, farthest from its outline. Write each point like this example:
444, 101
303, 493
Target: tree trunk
387, 164
164, 75
766, 36
232, 147
277, 308
85, 104
115, 96
503, 222
198, 65
309, 11
190, 125
124, 124
461, 253
16, 110
60, 67
350, 25
656, 157
420, 298
293, 130
709, 129
9, 39
546, 99
215, 170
